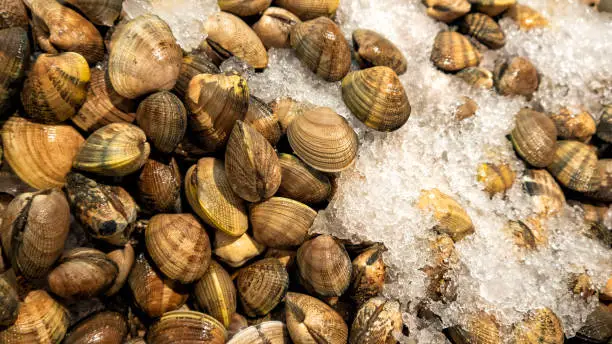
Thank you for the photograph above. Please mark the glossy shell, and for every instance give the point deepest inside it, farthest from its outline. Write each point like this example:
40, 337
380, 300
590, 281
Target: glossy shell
261, 117
104, 328
9, 300
526, 17
546, 195
159, 186
540, 326
100, 12
377, 98
496, 178
163, 118
477, 77
373, 49
368, 275
301, 182
484, 29
324, 266
193, 64
447, 10
604, 128
534, 137
274, 27
244, 8
310, 9
310, 320
453, 52
491, 7
215, 293
124, 258
516, 77
287, 109
574, 165
236, 251
281, 222
480, 328
450, 215
14, 58
268, 332
378, 321
528, 234
13, 13
189, 326
261, 286
574, 124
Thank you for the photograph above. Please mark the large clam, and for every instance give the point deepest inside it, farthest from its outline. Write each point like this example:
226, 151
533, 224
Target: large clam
574, 164
163, 118
261, 286
14, 57
534, 137
215, 293
451, 217
373, 49
193, 64
310, 320
281, 222
102, 327
274, 27
453, 52
324, 266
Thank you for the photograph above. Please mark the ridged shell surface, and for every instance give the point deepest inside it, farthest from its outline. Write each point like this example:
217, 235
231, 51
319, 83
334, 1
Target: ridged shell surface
453, 52
373, 49
281, 222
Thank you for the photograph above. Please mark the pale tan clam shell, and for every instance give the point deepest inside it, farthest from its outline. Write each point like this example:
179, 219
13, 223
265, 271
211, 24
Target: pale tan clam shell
450, 215
268, 332
324, 266
301, 182
310, 9
274, 27
281, 222
236, 251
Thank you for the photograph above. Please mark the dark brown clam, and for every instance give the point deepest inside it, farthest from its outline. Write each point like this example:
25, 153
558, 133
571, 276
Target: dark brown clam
604, 128
372, 49
598, 326
534, 137
9, 300
13, 13
574, 165
159, 186
14, 55
301, 182
163, 118
516, 77
261, 286
100, 328
274, 27
484, 29
261, 117
453, 52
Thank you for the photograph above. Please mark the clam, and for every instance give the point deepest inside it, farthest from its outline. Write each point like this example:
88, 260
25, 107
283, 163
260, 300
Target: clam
378, 321
442, 286
496, 178
574, 165
261, 286
324, 266
281, 222
14, 58
604, 191
484, 29
517, 77
251, 164
237, 324
604, 128
377, 98
13, 13
236, 251
268, 332
447, 10
450, 215
211, 197
286, 109
124, 258
116, 149
534, 137
373, 49
107, 212
215, 293
100, 12
528, 234
310, 320
301, 182
159, 186
492, 7
186, 327
573, 124
260, 116
323, 139
274, 27
594, 213
131, 69
321, 46
244, 8
153, 293
193, 64
526, 17
82, 273
582, 285
453, 52
215, 103
9, 300
310, 9
597, 327
103, 105
41, 320
103, 327
34, 228
368, 275
539, 326
163, 118
179, 246
228, 35
466, 109
477, 76
480, 328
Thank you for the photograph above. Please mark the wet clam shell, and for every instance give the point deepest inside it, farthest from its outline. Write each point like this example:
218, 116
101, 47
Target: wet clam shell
236, 251
466, 109
484, 29
546, 195
103, 327
261, 286
597, 327
324, 266
480, 328
377, 98
491, 7
163, 118
14, 58
268, 332
9, 300
450, 215
477, 76
447, 10
539, 326
442, 286
604, 191
193, 64
12, 14
100, 12
574, 124
287, 109
244, 8
534, 137
159, 186
309, 320
189, 326
516, 77
261, 117
237, 324
301, 182
453, 52
124, 258
529, 234
274, 27
368, 275
526, 17
496, 178
604, 128
281, 222
378, 321
372, 49
574, 165
215, 293
310, 9
321, 46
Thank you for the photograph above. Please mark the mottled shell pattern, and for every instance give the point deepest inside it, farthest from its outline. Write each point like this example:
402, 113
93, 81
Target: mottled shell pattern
378, 321
496, 178
372, 49
477, 76
368, 275
453, 52
546, 195
450, 215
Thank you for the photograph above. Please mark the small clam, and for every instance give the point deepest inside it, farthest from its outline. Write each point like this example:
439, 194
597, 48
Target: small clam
484, 29
103, 105
442, 286
163, 118
82, 273
100, 12
480, 328
466, 109
244, 8
107, 212
268, 332
251, 164
34, 228
450, 215
286, 109
260, 116
321, 46
526, 17
377, 98
236, 251
491, 7
604, 191
215, 103
323, 139
447, 10
378, 321
604, 128
131, 69
57, 28
310, 9
215, 293
9, 300
41, 320
453, 52
496, 178
574, 165
281, 222
274, 27
310, 320
186, 327
477, 76
211, 197
529, 234
539, 326
14, 58
368, 275
116, 149
103, 327
159, 186
582, 285
598, 326
13, 13
228, 35
517, 77
324, 266
154, 294
179, 246
372, 49
301, 182
573, 124
124, 258
56, 87
534, 137
193, 64
261, 286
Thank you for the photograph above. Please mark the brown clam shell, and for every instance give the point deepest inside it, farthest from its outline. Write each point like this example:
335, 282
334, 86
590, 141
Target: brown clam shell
159, 186
193, 64
496, 178
516, 77
378, 321
261, 286
14, 58
491, 7
604, 191
309, 320
215, 293
13, 13
104, 327
189, 326
100, 12
574, 124
447, 10
480, 328
526, 17
597, 327
286, 109
324, 266
163, 118
539, 326
261, 117
281, 222
546, 195
124, 258
310, 9
9, 300
477, 76
368, 275
574, 165
244, 8
453, 52
268, 332
274, 27
450, 215
484, 29
301, 182
373, 49
466, 109
604, 128
534, 137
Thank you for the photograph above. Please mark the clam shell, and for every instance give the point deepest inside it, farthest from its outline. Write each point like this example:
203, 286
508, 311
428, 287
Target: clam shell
260, 116
450, 215
211, 197
453, 52
301, 182
546, 195
102, 327
323, 139
14, 58
495, 178
604, 128
286, 257
378, 321
215, 293
529, 234
526, 17
442, 286
466, 109
163, 118
13, 13
368, 275
574, 165
124, 258
309, 320
236, 251
100, 12
286, 109
321, 46
377, 98
481, 328
9, 300
534, 137
477, 76
56, 87
261, 286
517, 77
310, 9
238, 323
244, 8
597, 327
540, 326
131, 69
281, 222
193, 64
215, 103
324, 266
447, 10
274, 27
574, 124
268, 332
228, 35
186, 327
159, 186
484, 29
179, 246
116, 149
372, 49
604, 191
491, 7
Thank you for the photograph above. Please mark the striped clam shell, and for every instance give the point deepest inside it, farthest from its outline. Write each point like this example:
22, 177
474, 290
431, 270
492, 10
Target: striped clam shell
324, 266
451, 217
574, 165
534, 137
216, 294
373, 49
261, 286
484, 29
453, 52
546, 195
539, 326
